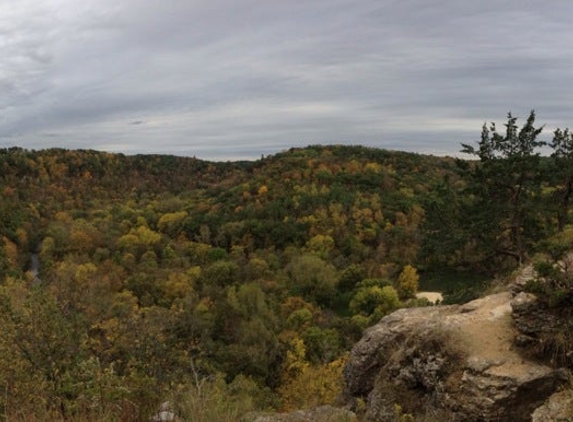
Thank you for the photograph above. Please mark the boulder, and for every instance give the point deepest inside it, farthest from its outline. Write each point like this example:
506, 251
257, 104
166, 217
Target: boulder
165, 413
453, 363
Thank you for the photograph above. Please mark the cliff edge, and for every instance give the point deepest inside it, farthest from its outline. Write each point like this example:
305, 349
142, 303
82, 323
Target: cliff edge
449, 363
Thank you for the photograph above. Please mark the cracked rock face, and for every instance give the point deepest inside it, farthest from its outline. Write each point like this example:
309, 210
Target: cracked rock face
454, 363
531, 317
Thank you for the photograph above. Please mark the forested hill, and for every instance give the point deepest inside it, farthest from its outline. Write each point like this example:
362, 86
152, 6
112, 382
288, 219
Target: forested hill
228, 287
353, 194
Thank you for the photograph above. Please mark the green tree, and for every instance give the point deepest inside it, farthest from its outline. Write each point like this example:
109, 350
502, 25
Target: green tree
506, 187
374, 302
444, 235
322, 346
313, 278
562, 171
350, 277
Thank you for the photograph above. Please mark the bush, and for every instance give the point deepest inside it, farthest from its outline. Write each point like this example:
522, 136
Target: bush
213, 400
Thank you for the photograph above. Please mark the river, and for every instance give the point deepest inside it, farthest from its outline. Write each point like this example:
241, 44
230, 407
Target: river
34, 267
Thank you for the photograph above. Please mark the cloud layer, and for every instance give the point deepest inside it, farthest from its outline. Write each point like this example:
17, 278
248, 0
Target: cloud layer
222, 79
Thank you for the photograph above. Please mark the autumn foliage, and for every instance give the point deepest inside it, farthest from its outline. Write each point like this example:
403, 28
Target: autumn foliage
172, 278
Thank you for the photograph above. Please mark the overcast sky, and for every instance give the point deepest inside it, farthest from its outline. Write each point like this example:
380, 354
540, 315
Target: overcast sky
235, 79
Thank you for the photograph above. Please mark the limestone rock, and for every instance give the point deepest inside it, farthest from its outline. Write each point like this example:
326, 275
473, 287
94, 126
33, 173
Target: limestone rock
526, 274
558, 408
378, 343
531, 317
165, 413
452, 363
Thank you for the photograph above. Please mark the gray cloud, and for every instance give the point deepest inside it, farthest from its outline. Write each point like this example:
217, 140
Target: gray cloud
234, 80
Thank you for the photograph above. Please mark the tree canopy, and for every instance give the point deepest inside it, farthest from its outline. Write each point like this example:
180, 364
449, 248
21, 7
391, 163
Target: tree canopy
169, 277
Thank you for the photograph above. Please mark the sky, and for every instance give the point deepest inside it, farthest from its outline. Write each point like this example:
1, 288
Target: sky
238, 79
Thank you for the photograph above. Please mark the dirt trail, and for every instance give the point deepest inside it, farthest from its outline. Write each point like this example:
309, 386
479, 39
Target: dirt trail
488, 333
488, 329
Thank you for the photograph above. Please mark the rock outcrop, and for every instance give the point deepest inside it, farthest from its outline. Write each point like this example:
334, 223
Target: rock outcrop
531, 318
453, 363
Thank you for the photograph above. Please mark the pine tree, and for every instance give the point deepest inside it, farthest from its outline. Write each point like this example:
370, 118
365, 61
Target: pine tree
505, 186
562, 170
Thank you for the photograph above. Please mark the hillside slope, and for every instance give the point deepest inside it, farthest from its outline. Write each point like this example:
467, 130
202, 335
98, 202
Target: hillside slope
168, 277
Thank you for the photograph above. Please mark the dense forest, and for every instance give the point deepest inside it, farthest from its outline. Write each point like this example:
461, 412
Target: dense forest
126, 281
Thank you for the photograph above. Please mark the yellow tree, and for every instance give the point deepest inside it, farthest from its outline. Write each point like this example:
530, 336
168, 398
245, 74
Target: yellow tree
408, 282
304, 385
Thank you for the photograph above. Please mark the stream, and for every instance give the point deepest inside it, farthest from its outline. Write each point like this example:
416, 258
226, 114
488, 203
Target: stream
34, 264
34, 267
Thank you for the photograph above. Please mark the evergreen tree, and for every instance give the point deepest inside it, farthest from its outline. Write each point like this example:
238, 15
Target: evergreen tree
505, 186
562, 170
